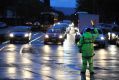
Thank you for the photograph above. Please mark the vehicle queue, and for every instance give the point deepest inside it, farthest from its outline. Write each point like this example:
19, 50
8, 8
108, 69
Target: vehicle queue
58, 33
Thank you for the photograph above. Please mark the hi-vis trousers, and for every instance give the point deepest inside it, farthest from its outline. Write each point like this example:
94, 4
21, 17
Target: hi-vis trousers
85, 61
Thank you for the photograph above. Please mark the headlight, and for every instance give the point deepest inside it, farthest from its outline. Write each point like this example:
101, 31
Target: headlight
26, 35
113, 34
46, 36
11, 35
109, 33
102, 38
60, 36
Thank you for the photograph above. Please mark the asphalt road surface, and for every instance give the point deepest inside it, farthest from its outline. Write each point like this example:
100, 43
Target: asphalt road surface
36, 61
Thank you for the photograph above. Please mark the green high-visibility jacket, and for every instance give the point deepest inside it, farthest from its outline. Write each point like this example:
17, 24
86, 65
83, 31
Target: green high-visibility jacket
86, 43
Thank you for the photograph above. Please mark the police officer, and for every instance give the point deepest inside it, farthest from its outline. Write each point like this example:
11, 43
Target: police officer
87, 49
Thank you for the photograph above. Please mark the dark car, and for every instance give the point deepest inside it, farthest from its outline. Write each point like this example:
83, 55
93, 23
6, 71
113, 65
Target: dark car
62, 26
101, 39
20, 34
54, 36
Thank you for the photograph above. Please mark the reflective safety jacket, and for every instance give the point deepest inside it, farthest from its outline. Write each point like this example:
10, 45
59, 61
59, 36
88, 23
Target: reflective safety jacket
86, 43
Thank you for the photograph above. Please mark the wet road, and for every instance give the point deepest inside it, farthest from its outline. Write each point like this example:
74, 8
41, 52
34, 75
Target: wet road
36, 61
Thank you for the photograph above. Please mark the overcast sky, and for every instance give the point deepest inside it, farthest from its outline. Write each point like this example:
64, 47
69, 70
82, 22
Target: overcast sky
63, 3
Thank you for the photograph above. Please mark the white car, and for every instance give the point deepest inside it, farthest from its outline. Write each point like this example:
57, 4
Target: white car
20, 34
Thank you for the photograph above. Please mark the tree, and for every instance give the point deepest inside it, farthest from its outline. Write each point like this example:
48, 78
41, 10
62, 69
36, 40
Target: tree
85, 5
107, 9
22, 8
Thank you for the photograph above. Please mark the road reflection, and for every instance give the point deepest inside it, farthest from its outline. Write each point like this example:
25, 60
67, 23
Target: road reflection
54, 62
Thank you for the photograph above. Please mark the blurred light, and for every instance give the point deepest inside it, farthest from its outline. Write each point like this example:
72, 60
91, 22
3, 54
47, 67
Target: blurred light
26, 74
60, 36
92, 23
26, 61
10, 57
46, 49
46, 58
11, 35
11, 70
11, 45
113, 50
45, 71
102, 54
26, 35
60, 48
109, 35
113, 34
102, 38
26, 46
58, 23
46, 36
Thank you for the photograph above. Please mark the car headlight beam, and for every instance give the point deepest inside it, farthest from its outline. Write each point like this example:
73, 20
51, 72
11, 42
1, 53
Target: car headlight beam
46, 36
113, 34
11, 35
60, 36
26, 35
102, 38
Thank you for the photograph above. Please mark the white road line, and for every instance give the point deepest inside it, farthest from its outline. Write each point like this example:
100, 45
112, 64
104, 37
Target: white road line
35, 39
35, 33
21, 50
5, 42
2, 48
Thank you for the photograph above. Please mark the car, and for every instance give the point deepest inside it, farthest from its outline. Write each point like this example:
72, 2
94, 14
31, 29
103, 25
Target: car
3, 25
101, 39
113, 34
69, 22
20, 34
62, 26
54, 36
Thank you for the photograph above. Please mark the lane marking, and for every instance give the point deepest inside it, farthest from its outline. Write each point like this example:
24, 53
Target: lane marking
35, 34
2, 48
35, 39
5, 42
